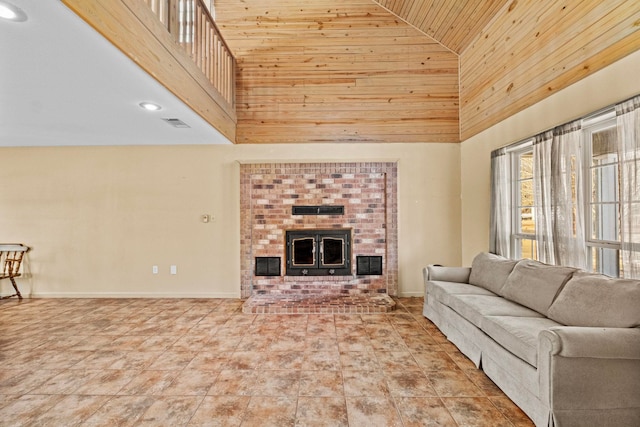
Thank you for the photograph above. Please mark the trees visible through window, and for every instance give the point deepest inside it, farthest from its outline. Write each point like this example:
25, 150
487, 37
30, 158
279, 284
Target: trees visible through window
524, 238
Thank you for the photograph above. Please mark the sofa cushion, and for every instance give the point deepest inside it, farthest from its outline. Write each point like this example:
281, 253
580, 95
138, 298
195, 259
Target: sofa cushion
535, 285
519, 335
490, 271
475, 307
595, 300
442, 290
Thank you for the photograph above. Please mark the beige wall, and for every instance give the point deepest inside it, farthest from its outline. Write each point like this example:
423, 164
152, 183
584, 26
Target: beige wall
98, 218
612, 84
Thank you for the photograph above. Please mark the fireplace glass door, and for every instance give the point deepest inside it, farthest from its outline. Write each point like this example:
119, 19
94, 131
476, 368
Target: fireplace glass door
332, 251
318, 252
303, 253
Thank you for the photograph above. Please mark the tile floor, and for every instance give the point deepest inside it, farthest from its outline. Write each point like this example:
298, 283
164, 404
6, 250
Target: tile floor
148, 362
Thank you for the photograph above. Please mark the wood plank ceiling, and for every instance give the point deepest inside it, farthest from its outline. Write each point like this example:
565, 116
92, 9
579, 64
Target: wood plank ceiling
410, 70
328, 70
532, 49
454, 23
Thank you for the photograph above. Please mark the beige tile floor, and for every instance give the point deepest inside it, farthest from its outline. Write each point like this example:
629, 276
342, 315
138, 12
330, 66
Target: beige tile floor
161, 362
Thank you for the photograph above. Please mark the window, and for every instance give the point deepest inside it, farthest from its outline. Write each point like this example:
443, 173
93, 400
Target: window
524, 239
186, 21
212, 9
571, 195
603, 211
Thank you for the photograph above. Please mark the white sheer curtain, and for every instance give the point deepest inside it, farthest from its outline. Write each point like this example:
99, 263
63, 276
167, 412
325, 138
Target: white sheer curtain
567, 188
542, 197
499, 241
558, 196
628, 123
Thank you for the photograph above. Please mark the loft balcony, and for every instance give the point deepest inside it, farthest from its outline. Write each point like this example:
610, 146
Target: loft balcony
178, 43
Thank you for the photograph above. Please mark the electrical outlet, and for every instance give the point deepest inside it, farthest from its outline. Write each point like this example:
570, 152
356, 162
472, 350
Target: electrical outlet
154, 269
174, 269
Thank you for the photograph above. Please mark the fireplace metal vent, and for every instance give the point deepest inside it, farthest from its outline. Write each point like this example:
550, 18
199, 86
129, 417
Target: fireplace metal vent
368, 265
267, 266
317, 210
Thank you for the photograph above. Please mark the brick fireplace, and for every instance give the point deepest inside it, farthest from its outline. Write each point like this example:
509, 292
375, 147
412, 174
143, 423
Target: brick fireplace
360, 199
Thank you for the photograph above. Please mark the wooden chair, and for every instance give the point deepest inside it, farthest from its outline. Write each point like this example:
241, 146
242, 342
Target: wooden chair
11, 255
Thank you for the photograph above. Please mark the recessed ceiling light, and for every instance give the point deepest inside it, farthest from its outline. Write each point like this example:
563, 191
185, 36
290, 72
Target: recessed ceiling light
11, 12
150, 106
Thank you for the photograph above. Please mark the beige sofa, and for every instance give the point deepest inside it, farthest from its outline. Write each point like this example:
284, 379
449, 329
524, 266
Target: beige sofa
563, 344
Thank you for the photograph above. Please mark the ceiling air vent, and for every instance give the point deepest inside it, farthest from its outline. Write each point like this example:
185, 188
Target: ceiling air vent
177, 123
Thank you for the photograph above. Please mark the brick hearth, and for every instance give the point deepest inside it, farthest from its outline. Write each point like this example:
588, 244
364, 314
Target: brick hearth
319, 304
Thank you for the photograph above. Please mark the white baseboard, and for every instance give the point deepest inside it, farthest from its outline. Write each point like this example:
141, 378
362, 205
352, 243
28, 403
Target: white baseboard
410, 294
227, 295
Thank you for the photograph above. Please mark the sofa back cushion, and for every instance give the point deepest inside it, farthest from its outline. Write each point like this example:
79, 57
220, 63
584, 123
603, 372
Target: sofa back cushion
536, 285
599, 301
490, 271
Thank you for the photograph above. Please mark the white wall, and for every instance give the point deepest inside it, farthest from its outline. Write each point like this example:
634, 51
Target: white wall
612, 84
98, 218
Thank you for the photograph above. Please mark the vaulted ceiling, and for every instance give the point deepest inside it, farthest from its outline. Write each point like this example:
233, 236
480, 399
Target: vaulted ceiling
372, 70
453, 23
337, 71
410, 70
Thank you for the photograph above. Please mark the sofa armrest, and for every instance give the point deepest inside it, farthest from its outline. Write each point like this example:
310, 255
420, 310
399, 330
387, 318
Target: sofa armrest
597, 343
447, 274
591, 371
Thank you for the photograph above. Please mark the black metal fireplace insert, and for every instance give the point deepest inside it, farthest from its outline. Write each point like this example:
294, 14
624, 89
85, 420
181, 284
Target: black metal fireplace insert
318, 252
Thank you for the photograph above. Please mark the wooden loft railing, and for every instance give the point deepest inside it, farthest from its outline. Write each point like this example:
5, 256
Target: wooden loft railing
193, 28
176, 42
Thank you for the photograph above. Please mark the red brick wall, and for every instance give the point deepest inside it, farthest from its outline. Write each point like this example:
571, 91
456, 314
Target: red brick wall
366, 190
